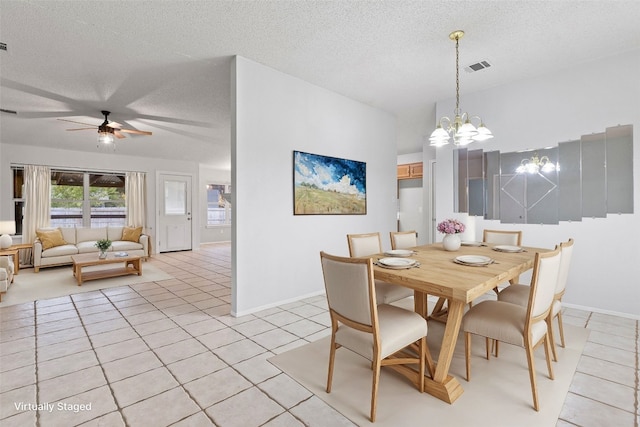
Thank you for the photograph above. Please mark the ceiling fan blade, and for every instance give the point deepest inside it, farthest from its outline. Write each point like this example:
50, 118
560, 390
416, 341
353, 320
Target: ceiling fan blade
118, 134
115, 125
93, 128
80, 123
138, 132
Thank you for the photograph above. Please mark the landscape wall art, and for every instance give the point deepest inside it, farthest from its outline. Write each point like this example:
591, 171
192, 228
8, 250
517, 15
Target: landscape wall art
325, 185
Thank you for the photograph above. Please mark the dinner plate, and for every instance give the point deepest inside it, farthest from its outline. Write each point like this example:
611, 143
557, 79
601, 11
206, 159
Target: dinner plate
397, 262
507, 248
466, 243
399, 252
473, 259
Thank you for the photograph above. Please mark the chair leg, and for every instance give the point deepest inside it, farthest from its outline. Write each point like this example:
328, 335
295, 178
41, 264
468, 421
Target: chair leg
532, 374
332, 357
559, 316
374, 388
552, 340
467, 353
486, 346
423, 356
547, 352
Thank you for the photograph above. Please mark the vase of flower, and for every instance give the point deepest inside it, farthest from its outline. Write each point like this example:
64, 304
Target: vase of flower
451, 228
103, 246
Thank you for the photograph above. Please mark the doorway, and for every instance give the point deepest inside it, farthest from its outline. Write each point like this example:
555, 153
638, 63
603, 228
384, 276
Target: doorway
174, 213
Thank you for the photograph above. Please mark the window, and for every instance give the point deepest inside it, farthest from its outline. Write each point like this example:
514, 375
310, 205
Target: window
218, 204
78, 199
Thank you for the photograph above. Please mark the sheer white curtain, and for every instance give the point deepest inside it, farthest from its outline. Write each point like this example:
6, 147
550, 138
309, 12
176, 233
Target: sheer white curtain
136, 199
37, 204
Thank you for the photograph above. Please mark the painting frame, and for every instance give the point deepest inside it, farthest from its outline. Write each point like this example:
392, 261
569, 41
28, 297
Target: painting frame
326, 185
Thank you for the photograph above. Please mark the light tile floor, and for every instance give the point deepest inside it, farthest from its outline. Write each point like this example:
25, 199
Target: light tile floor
168, 353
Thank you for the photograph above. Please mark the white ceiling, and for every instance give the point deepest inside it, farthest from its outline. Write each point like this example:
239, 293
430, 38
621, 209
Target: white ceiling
163, 66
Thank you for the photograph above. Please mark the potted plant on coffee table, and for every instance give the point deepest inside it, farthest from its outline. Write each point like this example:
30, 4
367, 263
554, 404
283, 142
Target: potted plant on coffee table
103, 245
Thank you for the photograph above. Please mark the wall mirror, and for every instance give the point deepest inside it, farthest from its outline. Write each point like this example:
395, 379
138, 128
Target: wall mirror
589, 177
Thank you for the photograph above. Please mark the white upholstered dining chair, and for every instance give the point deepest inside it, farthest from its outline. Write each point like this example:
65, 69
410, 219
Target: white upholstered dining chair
366, 245
403, 239
519, 294
502, 237
379, 333
513, 324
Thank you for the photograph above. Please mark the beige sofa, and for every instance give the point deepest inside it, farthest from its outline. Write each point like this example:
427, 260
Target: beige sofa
6, 273
82, 240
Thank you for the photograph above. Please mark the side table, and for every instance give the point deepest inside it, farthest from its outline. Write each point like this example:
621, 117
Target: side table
14, 251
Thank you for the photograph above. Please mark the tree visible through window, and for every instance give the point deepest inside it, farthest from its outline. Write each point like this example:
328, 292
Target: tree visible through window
87, 199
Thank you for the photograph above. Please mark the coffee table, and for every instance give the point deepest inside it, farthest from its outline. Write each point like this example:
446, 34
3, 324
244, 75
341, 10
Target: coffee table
132, 265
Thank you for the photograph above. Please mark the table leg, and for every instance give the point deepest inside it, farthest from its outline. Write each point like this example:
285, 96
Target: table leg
443, 385
16, 263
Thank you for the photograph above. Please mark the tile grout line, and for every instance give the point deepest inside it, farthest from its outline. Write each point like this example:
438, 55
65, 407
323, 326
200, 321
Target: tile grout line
35, 358
93, 348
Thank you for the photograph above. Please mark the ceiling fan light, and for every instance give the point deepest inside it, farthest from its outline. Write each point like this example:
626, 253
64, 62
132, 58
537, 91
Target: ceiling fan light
105, 138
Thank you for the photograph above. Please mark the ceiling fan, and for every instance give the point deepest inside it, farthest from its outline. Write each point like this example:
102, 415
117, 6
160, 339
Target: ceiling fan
108, 128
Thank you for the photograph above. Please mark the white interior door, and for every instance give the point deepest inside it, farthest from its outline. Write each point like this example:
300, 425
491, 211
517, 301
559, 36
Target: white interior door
174, 230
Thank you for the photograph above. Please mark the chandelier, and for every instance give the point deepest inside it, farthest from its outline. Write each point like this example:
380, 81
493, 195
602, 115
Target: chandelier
460, 128
536, 164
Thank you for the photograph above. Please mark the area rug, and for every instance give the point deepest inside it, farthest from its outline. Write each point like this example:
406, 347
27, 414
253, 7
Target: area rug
55, 282
499, 393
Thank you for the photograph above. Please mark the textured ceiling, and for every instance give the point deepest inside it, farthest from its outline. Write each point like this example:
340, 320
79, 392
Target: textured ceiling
163, 66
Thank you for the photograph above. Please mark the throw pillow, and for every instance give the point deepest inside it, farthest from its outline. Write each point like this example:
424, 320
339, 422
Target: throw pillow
51, 238
132, 234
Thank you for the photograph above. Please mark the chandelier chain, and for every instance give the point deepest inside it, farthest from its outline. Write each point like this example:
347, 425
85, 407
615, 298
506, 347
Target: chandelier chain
457, 77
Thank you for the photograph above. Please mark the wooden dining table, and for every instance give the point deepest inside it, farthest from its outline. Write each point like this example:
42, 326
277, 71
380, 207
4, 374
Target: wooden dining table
438, 275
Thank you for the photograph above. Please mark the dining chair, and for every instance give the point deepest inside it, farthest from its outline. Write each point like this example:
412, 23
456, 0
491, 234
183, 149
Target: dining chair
380, 333
503, 237
521, 326
519, 294
403, 239
365, 245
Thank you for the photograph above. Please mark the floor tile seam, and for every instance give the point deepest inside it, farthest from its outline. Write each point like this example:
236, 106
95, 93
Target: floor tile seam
607, 360
242, 391
191, 415
600, 402
306, 400
591, 375
630, 336
568, 422
9, 341
616, 347
82, 392
35, 358
100, 364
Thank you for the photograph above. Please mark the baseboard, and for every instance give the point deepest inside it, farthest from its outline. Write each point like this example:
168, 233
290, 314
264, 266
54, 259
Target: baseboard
602, 311
275, 304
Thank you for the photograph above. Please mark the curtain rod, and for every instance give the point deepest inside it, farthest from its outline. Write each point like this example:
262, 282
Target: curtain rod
72, 169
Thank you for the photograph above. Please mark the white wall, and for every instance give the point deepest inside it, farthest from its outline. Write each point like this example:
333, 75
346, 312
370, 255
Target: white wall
276, 254
23, 154
605, 271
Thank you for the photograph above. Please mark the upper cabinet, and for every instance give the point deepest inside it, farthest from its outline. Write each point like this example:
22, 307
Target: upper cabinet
410, 171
